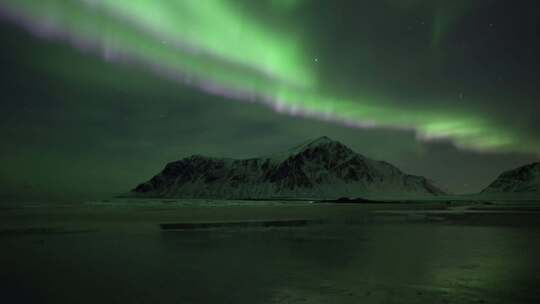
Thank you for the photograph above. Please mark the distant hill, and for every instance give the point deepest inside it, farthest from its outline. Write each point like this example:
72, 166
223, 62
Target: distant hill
319, 169
524, 180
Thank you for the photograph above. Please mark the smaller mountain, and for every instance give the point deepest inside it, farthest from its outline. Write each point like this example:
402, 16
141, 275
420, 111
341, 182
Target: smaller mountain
525, 179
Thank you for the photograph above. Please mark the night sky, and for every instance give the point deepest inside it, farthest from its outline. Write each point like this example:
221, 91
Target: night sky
97, 95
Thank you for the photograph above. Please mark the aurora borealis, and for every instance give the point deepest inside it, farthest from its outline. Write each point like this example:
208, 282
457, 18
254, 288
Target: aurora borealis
453, 72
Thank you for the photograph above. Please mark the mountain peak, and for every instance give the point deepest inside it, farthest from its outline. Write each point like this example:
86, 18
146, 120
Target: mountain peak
523, 179
322, 141
525, 169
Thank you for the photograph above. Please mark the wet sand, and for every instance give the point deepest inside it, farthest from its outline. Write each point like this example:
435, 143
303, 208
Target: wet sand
119, 252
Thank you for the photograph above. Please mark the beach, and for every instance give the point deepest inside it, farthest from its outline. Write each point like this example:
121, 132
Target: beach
270, 252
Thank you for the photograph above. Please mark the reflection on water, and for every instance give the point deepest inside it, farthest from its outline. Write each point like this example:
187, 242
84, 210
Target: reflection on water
373, 263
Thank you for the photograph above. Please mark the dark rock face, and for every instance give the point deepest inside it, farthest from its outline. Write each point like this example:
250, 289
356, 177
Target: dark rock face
322, 168
525, 179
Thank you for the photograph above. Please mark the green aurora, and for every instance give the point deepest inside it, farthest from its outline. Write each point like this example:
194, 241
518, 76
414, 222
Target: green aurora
98, 95
219, 47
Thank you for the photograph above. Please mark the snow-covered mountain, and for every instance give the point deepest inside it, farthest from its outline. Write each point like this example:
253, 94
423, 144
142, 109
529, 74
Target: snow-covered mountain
319, 169
525, 179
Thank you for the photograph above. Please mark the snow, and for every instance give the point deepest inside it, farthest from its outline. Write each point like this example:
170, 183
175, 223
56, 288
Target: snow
319, 169
524, 180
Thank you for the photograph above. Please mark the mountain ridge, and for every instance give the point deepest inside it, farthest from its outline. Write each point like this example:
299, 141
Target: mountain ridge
524, 179
317, 169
